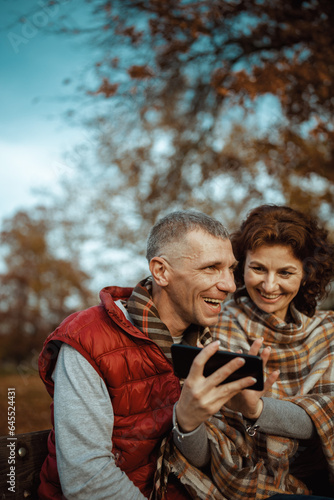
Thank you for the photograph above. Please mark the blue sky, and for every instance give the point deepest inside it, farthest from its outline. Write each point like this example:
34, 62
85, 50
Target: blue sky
34, 135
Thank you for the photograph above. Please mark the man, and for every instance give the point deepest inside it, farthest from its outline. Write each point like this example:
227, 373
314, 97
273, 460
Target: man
109, 369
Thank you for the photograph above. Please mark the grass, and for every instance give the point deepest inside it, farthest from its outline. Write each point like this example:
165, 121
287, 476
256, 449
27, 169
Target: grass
32, 403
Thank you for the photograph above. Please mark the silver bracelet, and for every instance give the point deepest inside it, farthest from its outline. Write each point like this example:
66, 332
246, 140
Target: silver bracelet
180, 435
251, 429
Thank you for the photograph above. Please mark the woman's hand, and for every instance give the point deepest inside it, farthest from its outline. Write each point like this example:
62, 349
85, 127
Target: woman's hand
249, 402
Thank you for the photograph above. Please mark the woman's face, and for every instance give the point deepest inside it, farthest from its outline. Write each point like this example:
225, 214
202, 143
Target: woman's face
272, 277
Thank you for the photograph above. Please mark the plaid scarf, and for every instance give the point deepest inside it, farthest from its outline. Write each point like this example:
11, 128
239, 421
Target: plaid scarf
146, 317
258, 467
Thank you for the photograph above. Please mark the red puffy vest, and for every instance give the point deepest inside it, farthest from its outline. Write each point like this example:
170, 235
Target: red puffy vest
140, 381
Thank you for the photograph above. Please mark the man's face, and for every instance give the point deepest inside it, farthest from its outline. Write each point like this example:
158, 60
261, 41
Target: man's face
200, 277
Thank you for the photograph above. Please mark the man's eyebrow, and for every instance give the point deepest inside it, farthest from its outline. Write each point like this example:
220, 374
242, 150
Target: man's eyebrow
218, 263
210, 263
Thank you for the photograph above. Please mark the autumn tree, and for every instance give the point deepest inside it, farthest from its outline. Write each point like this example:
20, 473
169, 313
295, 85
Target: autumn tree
38, 289
181, 67
217, 105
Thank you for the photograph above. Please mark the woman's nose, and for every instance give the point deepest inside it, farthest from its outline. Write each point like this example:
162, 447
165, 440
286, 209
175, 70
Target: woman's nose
269, 283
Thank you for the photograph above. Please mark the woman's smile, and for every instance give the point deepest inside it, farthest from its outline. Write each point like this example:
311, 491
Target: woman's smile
269, 296
273, 276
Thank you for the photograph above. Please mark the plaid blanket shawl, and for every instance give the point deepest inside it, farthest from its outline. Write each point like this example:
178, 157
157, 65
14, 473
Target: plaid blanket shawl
257, 467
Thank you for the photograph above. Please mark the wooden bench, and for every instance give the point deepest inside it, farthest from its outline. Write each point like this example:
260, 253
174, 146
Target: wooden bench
26, 453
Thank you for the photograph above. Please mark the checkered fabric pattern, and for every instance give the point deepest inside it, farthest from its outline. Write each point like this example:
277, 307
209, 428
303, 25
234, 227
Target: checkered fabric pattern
258, 467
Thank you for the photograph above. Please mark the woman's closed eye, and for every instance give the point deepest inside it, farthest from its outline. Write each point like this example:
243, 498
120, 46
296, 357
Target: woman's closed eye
258, 268
286, 273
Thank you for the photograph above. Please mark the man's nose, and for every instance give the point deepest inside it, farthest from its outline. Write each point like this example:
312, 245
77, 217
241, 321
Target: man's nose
226, 283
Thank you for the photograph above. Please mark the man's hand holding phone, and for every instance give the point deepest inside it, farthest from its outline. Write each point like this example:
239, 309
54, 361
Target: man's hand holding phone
201, 396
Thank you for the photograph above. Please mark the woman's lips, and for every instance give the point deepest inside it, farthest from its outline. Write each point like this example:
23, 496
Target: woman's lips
269, 296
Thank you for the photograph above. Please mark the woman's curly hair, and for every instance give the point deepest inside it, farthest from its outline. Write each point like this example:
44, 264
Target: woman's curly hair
309, 242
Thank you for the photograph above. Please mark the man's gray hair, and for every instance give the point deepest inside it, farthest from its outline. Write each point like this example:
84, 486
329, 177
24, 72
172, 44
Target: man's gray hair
174, 226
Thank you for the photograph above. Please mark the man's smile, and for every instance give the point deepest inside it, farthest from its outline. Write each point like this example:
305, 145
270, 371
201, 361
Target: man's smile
213, 302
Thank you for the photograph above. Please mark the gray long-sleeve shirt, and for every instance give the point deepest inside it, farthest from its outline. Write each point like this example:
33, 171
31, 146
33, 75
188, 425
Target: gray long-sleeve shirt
84, 422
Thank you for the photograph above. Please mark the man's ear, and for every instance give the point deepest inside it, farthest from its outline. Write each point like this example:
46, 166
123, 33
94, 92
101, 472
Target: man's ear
159, 271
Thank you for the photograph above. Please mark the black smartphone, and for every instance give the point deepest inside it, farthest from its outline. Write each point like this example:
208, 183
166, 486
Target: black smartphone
183, 356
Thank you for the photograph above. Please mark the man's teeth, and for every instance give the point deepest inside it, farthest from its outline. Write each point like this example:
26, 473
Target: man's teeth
212, 301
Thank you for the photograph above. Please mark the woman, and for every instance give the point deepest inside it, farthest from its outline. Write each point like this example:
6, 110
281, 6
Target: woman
285, 263
281, 440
